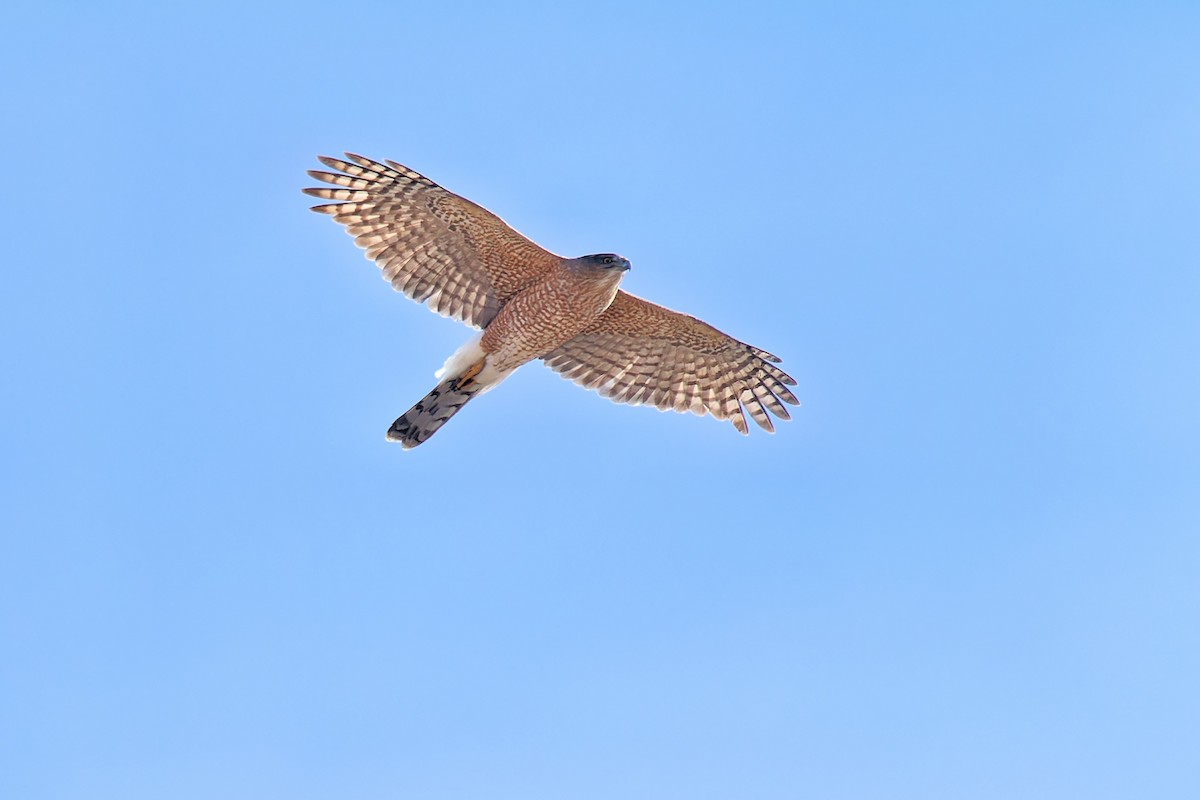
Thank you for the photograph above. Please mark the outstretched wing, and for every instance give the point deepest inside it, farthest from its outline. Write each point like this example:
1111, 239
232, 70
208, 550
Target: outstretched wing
436, 247
638, 352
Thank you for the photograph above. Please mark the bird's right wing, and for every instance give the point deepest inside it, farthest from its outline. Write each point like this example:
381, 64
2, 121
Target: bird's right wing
638, 352
436, 247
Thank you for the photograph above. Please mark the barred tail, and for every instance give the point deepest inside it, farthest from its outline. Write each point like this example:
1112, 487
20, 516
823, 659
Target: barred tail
423, 420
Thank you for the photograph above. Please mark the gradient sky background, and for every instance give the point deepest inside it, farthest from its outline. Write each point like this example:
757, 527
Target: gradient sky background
969, 568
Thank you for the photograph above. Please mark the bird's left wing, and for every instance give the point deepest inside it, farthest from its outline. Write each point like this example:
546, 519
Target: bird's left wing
638, 352
438, 248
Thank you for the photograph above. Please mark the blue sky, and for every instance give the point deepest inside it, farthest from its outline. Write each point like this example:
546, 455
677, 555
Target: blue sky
968, 567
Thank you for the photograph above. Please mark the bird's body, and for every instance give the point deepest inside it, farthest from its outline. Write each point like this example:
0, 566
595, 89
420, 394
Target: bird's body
536, 320
553, 310
466, 263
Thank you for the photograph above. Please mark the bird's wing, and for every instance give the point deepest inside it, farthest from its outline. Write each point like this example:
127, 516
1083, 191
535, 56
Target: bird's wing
638, 352
436, 247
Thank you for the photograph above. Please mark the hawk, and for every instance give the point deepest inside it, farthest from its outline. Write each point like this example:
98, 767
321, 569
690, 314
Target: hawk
466, 263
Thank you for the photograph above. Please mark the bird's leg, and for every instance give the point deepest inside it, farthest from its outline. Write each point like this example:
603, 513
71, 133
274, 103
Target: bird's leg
465, 380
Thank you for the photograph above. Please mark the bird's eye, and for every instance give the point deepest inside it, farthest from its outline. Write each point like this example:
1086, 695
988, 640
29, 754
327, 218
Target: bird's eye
608, 259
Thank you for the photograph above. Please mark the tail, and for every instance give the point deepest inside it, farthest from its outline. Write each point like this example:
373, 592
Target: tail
423, 420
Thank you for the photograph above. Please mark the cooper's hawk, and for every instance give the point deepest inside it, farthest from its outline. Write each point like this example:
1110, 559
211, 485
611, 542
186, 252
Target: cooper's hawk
464, 262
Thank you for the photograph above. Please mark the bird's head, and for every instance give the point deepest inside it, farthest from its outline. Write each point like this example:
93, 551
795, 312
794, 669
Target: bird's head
601, 263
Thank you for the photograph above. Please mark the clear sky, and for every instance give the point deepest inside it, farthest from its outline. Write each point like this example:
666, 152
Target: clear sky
968, 568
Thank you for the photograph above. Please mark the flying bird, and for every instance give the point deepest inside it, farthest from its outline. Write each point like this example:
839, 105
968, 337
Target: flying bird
464, 262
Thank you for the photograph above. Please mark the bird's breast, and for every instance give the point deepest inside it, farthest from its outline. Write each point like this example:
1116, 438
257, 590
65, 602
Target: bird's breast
544, 316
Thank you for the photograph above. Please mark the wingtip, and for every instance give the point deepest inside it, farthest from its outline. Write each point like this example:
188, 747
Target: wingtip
739, 423
765, 355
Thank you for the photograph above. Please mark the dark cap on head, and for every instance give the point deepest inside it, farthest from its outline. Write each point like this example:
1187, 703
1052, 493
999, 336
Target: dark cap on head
604, 261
